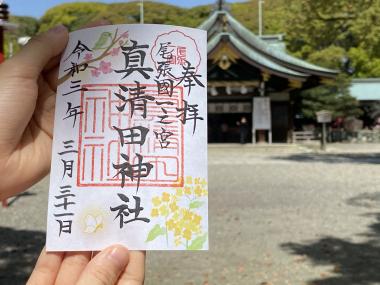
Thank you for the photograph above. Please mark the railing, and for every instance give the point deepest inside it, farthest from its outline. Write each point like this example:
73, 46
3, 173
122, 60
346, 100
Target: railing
303, 136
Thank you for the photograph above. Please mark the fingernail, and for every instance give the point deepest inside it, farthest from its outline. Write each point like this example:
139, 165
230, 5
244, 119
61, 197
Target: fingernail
119, 255
57, 29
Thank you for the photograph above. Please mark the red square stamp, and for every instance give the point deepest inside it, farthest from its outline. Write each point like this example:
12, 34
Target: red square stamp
100, 146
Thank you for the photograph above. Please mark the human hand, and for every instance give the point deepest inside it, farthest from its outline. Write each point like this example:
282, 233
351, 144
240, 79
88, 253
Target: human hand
113, 265
27, 102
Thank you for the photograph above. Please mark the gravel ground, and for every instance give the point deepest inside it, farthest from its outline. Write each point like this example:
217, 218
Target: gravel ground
278, 215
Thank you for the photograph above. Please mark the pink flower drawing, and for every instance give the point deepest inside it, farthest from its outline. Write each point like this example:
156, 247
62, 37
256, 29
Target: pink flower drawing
95, 72
105, 67
88, 56
115, 51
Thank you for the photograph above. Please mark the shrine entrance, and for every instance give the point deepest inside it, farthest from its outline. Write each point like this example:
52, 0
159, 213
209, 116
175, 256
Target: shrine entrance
242, 67
224, 122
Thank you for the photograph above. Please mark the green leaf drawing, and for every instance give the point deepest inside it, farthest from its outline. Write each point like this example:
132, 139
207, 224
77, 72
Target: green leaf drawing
196, 204
102, 41
197, 244
155, 232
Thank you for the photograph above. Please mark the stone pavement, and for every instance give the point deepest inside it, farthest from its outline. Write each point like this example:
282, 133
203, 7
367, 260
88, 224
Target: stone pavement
279, 215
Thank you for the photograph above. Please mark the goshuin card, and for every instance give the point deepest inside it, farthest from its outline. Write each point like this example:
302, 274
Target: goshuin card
129, 163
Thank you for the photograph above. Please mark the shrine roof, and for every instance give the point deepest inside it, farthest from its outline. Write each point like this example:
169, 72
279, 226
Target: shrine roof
365, 89
253, 56
222, 27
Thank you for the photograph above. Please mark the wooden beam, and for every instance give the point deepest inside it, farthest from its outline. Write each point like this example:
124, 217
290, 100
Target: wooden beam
253, 83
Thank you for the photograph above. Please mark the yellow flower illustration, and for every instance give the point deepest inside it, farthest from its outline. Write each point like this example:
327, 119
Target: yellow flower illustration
198, 191
189, 180
197, 219
187, 215
187, 234
177, 241
180, 209
179, 192
177, 231
165, 197
154, 212
156, 201
173, 207
164, 210
187, 190
170, 224
176, 215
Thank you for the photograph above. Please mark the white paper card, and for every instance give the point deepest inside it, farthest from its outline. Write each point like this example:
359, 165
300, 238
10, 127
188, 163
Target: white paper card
129, 163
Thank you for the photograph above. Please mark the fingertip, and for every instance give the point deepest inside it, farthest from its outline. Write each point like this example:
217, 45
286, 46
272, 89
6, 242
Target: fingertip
37, 53
58, 30
118, 254
106, 267
134, 273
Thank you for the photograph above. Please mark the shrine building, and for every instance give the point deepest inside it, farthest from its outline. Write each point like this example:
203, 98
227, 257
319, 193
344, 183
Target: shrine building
253, 77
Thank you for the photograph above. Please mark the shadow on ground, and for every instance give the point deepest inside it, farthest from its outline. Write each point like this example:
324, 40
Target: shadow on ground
352, 263
360, 158
18, 254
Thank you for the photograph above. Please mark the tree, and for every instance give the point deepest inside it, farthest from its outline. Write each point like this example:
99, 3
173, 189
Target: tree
333, 96
75, 15
353, 26
323, 32
27, 27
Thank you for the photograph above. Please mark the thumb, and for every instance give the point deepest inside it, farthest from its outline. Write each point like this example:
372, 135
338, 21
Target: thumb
39, 51
106, 267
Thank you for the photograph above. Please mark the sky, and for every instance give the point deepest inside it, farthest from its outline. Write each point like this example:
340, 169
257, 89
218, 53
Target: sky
36, 8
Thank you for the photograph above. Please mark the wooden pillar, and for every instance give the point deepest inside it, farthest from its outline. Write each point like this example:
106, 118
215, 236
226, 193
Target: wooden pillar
291, 117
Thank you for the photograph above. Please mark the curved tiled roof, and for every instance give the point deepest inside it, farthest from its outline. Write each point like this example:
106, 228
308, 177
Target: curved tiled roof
222, 23
252, 55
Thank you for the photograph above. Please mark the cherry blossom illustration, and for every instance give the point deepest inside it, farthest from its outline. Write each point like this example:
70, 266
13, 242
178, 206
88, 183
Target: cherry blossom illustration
110, 45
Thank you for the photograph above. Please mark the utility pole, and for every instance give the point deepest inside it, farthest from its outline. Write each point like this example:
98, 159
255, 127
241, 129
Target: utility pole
261, 2
141, 11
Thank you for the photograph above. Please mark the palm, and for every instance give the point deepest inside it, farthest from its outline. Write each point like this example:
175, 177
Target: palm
27, 127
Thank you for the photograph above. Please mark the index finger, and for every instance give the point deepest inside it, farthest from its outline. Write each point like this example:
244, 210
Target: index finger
134, 273
33, 58
46, 269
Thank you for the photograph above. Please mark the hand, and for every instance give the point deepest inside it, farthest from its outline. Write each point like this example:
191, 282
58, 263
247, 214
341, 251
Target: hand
27, 102
114, 265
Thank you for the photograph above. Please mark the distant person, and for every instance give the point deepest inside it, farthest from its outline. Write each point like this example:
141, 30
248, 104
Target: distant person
224, 132
27, 101
243, 129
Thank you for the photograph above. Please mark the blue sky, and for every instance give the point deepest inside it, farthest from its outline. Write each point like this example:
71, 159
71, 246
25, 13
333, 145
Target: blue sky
36, 8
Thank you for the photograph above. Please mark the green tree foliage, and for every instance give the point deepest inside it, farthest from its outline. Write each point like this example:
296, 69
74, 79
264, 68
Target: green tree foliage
27, 26
72, 15
75, 15
325, 32
333, 96
274, 15
318, 31
318, 27
322, 32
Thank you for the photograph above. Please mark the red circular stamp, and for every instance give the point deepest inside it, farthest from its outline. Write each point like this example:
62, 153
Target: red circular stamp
172, 52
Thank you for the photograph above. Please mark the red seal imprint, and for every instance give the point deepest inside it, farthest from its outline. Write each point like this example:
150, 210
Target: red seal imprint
99, 144
173, 50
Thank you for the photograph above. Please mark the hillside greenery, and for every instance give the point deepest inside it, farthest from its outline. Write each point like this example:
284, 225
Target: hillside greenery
339, 34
